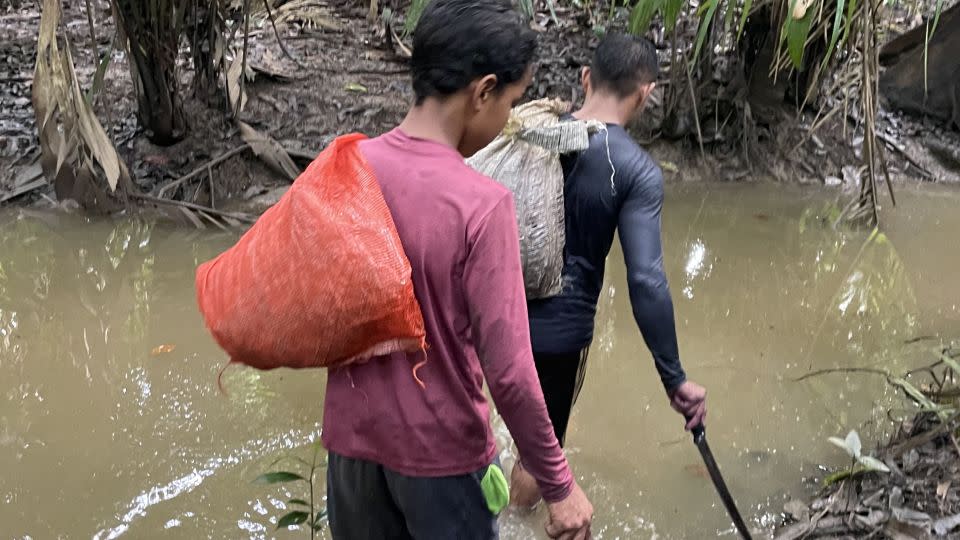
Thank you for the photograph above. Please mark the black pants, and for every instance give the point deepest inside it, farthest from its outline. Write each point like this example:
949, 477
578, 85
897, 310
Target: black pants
367, 501
561, 378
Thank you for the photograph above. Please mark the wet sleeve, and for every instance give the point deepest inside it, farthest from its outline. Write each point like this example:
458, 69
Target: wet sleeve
493, 282
639, 228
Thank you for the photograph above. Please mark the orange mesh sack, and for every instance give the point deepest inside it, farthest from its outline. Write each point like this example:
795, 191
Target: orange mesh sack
320, 280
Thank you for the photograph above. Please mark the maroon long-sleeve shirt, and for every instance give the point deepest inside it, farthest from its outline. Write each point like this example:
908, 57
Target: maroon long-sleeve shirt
458, 228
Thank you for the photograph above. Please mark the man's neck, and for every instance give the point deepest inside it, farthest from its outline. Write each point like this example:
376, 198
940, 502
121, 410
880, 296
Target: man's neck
435, 120
606, 108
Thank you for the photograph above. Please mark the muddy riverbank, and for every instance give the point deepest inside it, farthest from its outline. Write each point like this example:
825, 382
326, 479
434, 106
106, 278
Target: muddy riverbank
352, 78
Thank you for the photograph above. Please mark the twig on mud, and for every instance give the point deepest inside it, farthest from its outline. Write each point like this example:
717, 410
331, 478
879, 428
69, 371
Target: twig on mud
23, 190
213, 203
243, 63
924, 438
919, 338
204, 167
903, 152
696, 115
872, 371
283, 47
93, 32
239, 216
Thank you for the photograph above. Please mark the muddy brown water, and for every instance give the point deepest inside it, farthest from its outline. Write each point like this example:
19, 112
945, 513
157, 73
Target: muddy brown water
112, 425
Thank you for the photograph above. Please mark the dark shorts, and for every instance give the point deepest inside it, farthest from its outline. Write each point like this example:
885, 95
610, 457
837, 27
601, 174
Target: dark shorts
561, 378
367, 501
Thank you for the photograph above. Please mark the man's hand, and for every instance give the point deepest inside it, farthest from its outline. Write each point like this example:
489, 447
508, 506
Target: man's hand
570, 518
690, 400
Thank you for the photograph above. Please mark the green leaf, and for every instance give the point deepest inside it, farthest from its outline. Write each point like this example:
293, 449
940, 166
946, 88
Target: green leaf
842, 444
837, 476
293, 518
642, 14
412, 16
320, 517
99, 75
356, 87
871, 463
301, 502
704, 25
553, 12
277, 477
851, 9
953, 364
747, 6
318, 521
914, 393
853, 443
936, 19
671, 12
835, 35
728, 18
797, 32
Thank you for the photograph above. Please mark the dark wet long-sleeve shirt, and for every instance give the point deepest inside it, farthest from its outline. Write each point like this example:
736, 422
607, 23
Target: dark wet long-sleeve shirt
596, 206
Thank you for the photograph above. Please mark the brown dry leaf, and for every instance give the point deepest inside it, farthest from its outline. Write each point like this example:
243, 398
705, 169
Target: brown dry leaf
75, 150
162, 349
310, 13
798, 509
235, 90
942, 489
696, 469
269, 150
800, 8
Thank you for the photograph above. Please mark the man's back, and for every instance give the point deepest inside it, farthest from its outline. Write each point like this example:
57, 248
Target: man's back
436, 205
456, 227
613, 176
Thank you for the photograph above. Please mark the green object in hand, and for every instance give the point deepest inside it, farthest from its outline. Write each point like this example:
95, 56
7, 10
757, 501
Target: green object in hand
495, 489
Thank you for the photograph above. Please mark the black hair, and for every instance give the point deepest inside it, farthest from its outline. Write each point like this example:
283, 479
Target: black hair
458, 41
622, 62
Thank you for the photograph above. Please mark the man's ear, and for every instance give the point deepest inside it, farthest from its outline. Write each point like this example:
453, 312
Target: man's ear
483, 90
643, 93
585, 79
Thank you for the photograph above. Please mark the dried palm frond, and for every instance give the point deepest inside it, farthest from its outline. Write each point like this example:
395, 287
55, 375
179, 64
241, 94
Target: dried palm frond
308, 13
77, 156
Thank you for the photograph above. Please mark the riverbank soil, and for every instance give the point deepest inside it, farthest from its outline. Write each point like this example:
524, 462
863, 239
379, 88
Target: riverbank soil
919, 497
348, 75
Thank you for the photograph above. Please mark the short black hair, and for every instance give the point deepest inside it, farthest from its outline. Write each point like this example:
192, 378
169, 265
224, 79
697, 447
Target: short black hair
457, 41
622, 62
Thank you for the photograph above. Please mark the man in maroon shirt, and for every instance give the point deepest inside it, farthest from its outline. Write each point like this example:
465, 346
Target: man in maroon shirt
412, 461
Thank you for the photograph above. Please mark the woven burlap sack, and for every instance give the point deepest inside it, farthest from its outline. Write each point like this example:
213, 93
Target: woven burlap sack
525, 158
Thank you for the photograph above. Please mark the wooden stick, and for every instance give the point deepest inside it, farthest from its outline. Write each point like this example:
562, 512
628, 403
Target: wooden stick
871, 371
283, 47
696, 116
903, 152
157, 200
204, 167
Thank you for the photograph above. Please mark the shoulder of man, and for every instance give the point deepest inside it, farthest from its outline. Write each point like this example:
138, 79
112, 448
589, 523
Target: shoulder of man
481, 195
635, 166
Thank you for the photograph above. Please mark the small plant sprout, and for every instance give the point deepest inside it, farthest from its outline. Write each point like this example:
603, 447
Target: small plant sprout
853, 449
307, 514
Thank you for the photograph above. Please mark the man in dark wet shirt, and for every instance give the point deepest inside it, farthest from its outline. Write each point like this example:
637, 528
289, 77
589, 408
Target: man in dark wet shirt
612, 185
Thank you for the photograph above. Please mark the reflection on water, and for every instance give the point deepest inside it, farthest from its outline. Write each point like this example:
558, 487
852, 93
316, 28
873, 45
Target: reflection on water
113, 426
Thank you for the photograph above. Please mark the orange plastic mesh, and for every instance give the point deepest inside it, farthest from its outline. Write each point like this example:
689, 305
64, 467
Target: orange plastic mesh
320, 280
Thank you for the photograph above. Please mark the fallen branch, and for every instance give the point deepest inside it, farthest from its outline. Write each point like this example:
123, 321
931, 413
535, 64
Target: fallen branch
872, 371
922, 439
239, 216
202, 168
903, 152
23, 190
276, 33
